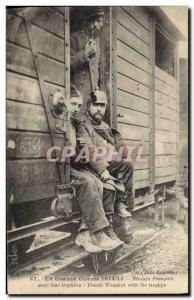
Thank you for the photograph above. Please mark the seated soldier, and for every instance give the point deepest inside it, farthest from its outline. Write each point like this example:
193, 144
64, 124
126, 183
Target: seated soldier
89, 195
118, 174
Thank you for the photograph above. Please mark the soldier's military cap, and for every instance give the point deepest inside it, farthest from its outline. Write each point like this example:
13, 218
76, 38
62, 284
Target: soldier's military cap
94, 11
98, 97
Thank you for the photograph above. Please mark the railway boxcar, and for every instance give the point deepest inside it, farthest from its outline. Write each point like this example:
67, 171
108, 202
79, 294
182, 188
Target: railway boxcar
139, 72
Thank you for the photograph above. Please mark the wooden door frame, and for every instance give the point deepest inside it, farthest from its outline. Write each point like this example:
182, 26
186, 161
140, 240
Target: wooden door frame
113, 68
152, 102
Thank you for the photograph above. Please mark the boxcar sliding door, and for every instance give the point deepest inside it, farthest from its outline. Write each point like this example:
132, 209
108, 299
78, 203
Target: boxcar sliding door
131, 98
166, 107
145, 92
36, 67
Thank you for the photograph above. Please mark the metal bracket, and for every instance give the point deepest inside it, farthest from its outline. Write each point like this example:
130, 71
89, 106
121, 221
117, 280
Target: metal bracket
159, 211
62, 205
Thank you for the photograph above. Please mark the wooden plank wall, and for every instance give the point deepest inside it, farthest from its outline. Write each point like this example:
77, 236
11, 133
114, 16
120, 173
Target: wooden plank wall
133, 81
30, 175
166, 122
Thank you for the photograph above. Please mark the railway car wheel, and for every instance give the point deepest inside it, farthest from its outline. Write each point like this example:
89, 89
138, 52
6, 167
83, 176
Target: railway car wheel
54, 208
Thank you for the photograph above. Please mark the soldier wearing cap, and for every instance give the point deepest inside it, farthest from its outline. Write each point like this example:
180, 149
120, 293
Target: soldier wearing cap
92, 236
85, 52
117, 176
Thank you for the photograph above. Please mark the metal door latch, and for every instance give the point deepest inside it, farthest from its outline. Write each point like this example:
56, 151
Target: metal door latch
120, 115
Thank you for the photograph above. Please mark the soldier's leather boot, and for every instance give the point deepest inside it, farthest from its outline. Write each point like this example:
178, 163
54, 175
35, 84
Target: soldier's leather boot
123, 228
110, 232
85, 240
101, 240
121, 210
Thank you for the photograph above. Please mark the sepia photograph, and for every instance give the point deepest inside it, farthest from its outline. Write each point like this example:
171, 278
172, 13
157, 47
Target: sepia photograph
97, 150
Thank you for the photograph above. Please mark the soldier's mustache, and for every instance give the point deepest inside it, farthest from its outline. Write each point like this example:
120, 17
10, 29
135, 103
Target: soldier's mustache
98, 113
75, 113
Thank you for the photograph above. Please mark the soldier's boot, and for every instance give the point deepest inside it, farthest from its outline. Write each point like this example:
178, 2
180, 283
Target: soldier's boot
130, 202
110, 231
104, 242
121, 210
85, 240
123, 228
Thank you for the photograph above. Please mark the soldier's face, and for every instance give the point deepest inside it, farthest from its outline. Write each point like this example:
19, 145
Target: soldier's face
75, 105
96, 24
97, 110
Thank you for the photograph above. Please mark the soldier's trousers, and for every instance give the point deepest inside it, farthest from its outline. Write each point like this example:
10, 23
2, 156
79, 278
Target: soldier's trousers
95, 201
123, 171
89, 194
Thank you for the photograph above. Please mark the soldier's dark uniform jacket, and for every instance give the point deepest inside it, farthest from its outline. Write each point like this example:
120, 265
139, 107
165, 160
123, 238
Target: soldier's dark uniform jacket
80, 70
99, 135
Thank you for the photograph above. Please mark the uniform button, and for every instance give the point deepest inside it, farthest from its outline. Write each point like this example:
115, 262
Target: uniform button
83, 72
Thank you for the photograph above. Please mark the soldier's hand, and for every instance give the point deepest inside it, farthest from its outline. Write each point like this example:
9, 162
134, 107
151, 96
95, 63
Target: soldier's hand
90, 48
81, 141
105, 175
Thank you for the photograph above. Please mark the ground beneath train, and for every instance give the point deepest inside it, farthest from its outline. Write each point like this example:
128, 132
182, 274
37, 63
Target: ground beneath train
168, 252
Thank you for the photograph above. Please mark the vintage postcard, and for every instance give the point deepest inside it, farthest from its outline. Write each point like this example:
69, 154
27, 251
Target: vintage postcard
97, 150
